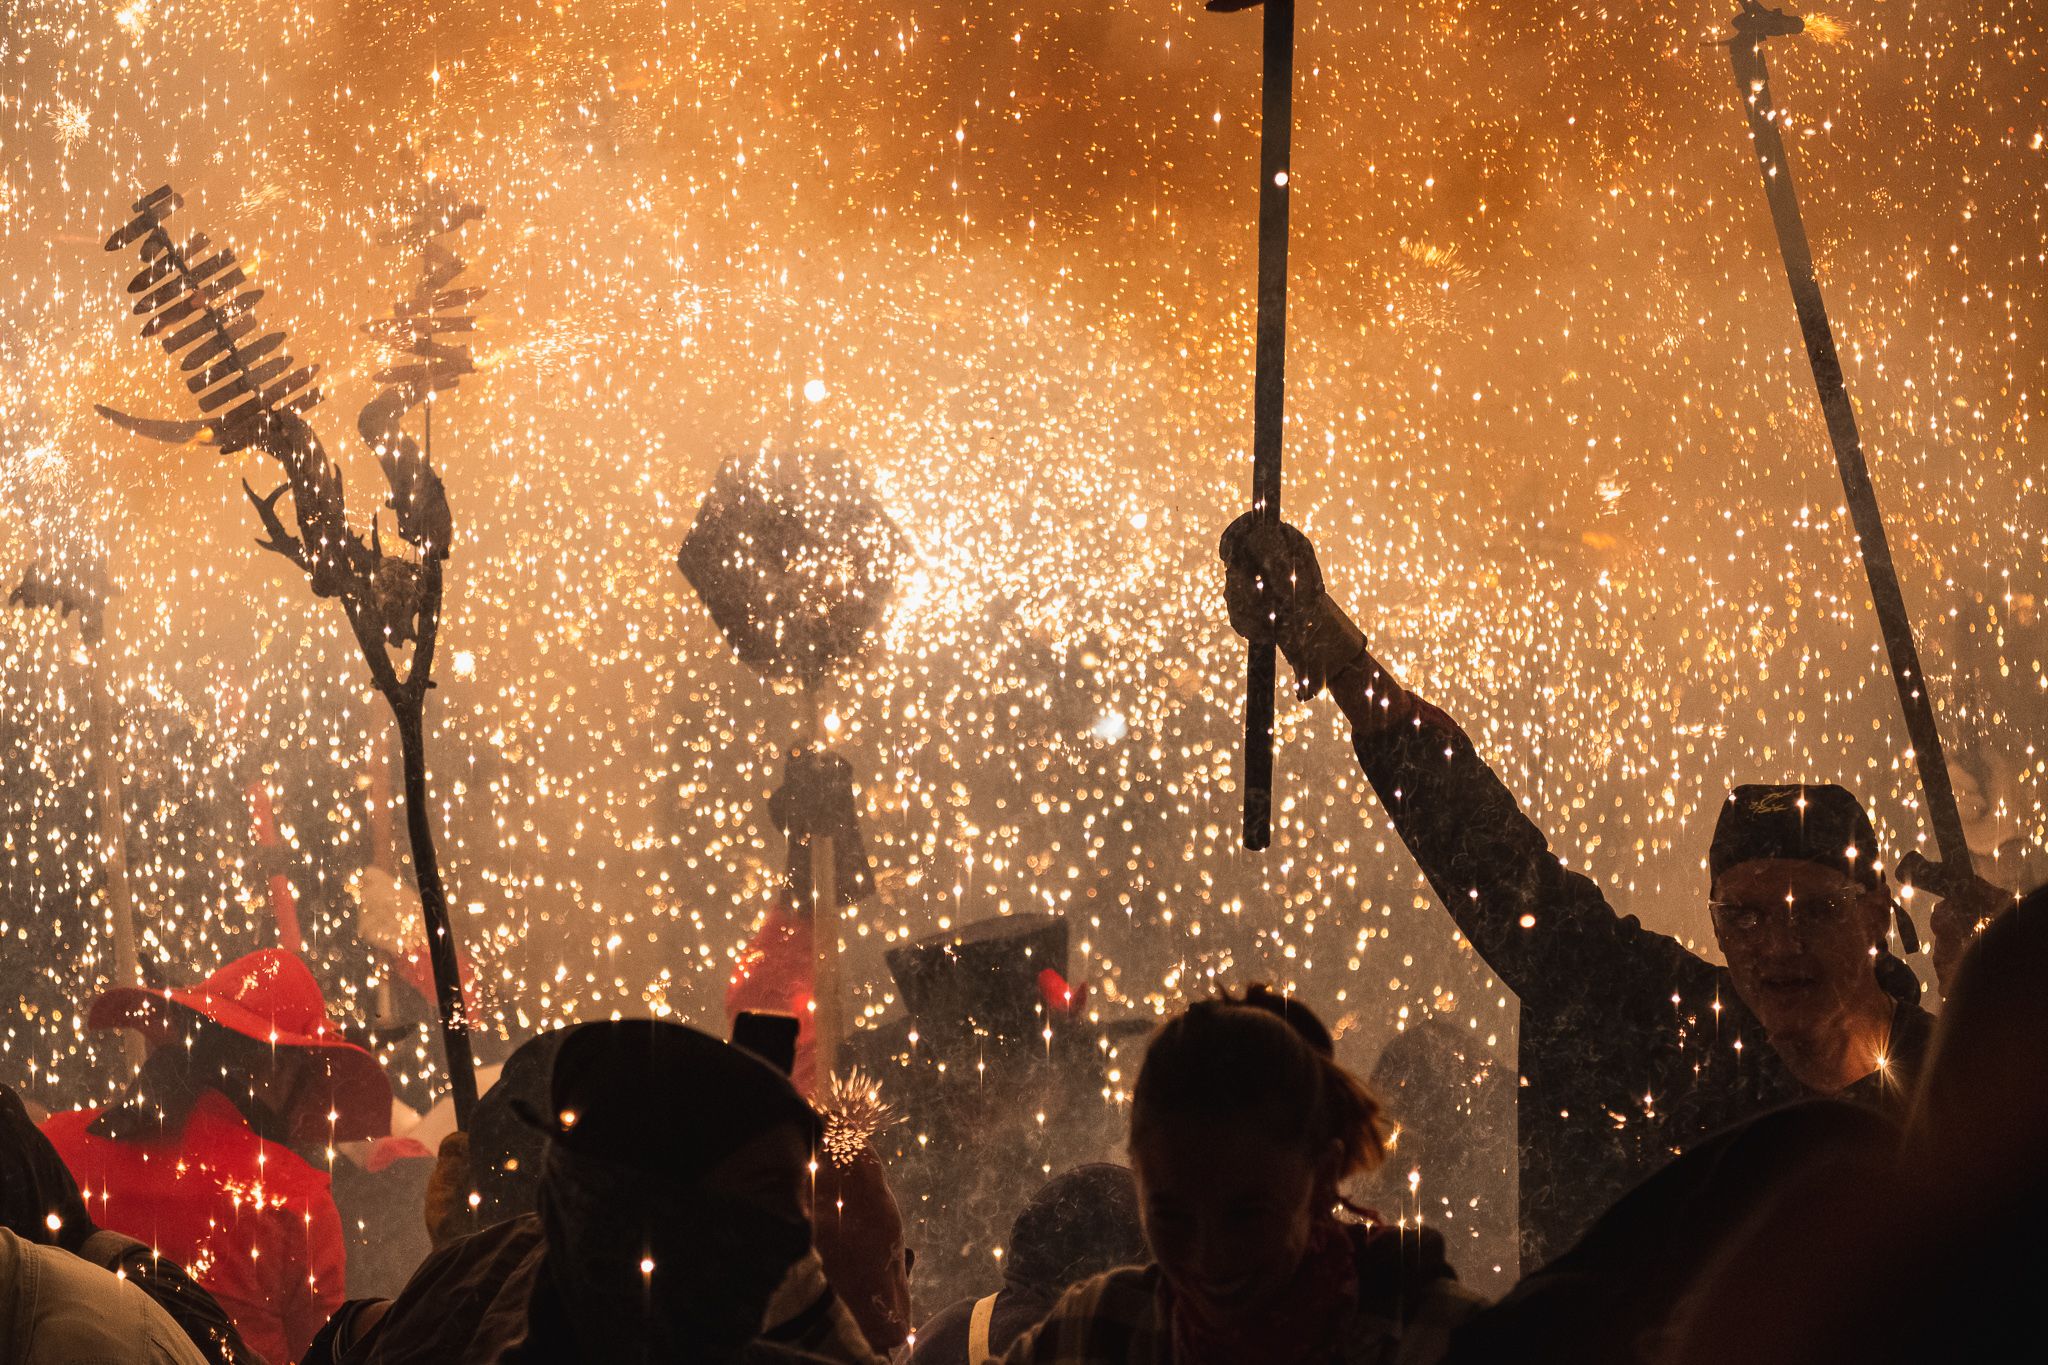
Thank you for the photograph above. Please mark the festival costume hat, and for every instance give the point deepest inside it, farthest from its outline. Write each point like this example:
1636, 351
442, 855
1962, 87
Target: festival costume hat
270, 996
999, 981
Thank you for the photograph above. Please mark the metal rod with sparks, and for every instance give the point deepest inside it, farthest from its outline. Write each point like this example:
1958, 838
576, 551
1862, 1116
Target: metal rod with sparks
1754, 26
1269, 381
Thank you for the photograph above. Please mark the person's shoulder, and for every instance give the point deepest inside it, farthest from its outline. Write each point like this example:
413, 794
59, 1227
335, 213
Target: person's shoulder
1402, 1267
1126, 1287
1444, 1305
501, 1244
1113, 1317
85, 1313
462, 1296
216, 1127
1422, 1336
69, 1130
774, 1353
944, 1336
1409, 1301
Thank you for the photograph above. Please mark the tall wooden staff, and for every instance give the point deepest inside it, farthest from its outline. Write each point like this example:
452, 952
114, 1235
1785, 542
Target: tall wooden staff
1755, 25
796, 560
828, 1025
114, 832
1269, 382
198, 309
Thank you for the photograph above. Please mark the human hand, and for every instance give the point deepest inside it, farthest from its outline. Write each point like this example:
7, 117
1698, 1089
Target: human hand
1273, 589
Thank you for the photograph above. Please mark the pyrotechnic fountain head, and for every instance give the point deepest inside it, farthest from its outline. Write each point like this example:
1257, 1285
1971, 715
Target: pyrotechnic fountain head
1756, 23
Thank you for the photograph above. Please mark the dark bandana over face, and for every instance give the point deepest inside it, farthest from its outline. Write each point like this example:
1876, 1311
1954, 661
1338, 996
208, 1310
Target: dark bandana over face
649, 1268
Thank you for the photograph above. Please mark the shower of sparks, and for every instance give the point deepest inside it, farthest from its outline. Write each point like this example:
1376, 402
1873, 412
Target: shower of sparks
854, 1111
1823, 29
1442, 259
1549, 425
73, 124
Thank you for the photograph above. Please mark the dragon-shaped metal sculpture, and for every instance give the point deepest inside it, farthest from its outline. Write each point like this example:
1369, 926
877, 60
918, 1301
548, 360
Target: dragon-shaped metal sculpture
255, 398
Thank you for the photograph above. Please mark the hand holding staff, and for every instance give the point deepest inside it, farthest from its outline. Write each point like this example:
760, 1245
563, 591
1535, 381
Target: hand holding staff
1269, 382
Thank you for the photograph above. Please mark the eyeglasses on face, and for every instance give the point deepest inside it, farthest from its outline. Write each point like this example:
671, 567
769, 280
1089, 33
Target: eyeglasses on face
1803, 914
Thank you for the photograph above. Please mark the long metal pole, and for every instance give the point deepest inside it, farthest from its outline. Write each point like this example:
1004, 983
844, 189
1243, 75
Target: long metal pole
1269, 383
441, 954
1753, 26
384, 1014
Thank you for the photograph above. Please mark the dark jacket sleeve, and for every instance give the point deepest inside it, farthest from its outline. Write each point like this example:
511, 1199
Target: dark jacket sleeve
198, 1314
1546, 931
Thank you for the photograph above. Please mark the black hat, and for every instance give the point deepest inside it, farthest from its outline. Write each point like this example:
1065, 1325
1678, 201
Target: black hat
505, 1150
664, 1098
982, 981
1816, 824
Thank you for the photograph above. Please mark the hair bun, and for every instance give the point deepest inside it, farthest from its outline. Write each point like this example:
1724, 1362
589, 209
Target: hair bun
1297, 1016
1263, 1055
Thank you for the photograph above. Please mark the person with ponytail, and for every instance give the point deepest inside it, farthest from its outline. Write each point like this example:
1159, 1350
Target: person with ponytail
1244, 1130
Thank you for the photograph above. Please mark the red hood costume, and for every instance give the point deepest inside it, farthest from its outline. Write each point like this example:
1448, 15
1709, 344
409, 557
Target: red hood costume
249, 1218
272, 997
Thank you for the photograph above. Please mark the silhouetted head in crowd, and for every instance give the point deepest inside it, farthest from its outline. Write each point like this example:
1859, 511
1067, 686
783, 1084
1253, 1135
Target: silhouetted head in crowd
1978, 1130
505, 1150
39, 1200
675, 1190
1940, 1258
1081, 1223
1800, 912
1243, 1130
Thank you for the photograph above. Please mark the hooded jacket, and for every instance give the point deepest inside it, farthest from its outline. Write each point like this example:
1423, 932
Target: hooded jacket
253, 1223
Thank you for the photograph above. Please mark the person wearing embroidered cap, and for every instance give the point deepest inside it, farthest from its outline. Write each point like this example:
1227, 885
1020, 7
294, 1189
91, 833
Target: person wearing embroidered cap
202, 1160
673, 1199
1800, 912
1632, 1046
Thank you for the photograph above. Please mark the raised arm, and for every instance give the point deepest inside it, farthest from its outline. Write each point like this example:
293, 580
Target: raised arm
1544, 929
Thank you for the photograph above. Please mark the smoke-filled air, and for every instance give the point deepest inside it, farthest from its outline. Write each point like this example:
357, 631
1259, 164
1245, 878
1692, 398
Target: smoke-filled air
949, 310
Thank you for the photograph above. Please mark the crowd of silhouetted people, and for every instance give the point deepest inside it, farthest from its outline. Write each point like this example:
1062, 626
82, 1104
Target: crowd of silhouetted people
1783, 1157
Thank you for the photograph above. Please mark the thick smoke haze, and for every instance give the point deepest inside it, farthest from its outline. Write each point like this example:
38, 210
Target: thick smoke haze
1550, 425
